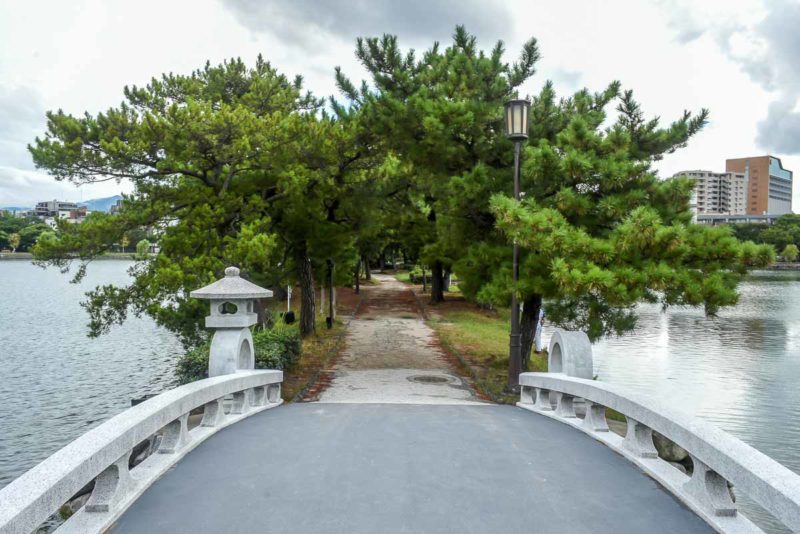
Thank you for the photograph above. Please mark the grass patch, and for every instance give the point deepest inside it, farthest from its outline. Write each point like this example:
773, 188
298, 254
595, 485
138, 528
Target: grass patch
405, 277
613, 415
480, 337
318, 351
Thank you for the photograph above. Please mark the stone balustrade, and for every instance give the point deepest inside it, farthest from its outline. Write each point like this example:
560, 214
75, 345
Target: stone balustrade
103, 454
717, 457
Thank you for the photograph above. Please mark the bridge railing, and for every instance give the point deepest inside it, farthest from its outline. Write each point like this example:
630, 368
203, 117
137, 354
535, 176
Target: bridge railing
103, 454
717, 457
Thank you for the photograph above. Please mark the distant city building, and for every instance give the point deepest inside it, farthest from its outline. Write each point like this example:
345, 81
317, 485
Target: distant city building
54, 208
769, 184
115, 207
75, 216
717, 192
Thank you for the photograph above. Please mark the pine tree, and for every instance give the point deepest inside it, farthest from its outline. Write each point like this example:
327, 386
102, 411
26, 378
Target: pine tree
440, 114
600, 231
236, 165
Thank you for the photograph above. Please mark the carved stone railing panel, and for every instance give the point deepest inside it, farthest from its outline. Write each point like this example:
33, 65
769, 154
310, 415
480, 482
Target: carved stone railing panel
564, 405
710, 490
595, 418
543, 400
259, 396
639, 440
213, 413
274, 393
176, 435
718, 457
110, 486
102, 454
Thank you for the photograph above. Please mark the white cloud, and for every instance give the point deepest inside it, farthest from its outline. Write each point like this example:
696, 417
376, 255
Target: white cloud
23, 188
737, 58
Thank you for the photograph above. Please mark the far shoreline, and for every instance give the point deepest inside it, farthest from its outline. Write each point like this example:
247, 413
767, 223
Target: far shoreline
23, 256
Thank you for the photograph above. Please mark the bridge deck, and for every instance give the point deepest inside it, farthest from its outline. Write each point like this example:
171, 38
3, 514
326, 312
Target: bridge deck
367, 468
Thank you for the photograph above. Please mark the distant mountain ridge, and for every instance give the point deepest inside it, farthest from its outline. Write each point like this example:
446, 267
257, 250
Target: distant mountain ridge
95, 204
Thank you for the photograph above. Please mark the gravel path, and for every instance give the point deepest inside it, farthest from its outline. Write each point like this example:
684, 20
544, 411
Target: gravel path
392, 356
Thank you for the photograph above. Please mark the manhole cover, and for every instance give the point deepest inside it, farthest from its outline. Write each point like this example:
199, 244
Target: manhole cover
429, 379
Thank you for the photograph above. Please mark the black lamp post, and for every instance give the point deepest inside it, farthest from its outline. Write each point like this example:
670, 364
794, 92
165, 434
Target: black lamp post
516, 118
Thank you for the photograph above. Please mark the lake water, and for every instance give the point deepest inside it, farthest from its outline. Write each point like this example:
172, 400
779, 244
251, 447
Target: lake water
739, 370
56, 383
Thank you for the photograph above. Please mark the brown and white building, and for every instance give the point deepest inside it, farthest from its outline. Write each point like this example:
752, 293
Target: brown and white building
749, 186
769, 184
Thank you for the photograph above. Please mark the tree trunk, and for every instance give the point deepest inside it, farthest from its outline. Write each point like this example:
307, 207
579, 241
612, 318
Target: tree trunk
263, 317
331, 296
527, 327
437, 282
367, 273
357, 277
305, 277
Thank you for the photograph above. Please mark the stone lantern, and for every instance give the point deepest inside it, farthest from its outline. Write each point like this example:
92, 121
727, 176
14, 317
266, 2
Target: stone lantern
231, 317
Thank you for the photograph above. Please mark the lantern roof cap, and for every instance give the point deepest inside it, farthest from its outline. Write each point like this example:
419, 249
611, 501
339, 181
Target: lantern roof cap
232, 286
513, 101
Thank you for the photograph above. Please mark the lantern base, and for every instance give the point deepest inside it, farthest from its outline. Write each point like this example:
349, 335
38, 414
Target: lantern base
231, 351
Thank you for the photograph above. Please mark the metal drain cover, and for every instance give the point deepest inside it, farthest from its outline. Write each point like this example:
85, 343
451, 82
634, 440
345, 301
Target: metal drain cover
429, 379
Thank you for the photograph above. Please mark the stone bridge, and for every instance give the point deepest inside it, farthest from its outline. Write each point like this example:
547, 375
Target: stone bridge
229, 457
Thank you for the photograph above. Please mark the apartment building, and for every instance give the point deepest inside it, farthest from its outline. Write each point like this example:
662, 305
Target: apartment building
718, 192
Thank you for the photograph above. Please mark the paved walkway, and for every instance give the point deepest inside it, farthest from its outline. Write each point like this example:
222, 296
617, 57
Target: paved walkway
392, 356
382, 468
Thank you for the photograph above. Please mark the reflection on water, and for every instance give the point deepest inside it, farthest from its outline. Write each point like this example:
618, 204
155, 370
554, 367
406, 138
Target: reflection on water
739, 370
57, 383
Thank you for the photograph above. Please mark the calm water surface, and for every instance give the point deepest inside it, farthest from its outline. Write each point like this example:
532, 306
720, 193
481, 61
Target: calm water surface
56, 382
740, 370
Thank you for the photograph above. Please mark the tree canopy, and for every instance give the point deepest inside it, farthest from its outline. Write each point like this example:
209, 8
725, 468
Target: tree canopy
237, 165
785, 232
232, 165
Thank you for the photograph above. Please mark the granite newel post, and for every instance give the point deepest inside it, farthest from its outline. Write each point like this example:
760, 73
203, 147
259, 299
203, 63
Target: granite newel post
232, 315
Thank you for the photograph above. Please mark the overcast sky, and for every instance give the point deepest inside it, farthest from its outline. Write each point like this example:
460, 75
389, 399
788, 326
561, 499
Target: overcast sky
740, 58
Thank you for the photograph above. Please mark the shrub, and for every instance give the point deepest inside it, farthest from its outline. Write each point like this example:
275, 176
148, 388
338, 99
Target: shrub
277, 348
415, 274
790, 252
193, 365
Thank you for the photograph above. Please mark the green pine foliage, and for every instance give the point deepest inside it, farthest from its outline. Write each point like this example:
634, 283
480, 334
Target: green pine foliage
600, 231
234, 165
